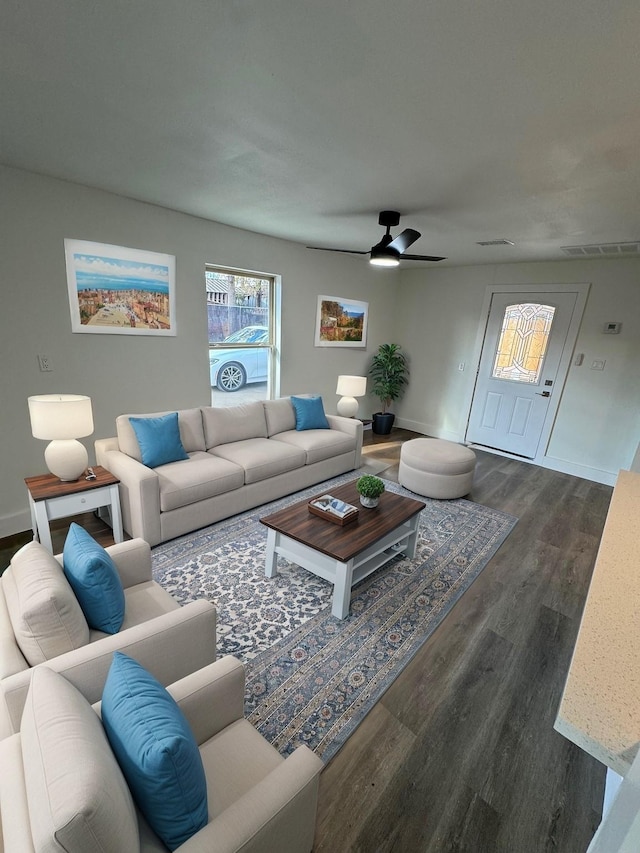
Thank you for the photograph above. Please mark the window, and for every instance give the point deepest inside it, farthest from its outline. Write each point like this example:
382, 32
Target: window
523, 342
241, 335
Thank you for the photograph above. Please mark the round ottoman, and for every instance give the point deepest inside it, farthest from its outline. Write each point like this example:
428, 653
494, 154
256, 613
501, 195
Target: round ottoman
436, 468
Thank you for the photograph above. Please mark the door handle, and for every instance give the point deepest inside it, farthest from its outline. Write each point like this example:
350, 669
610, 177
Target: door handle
543, 393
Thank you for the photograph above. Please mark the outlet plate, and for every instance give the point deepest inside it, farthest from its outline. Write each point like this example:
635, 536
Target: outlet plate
44, 362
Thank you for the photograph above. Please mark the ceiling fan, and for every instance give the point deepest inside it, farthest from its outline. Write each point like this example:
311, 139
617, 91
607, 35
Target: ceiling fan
389, 251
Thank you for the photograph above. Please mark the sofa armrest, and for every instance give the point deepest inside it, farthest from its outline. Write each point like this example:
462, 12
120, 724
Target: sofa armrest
139, 492
170, 646
353, 427
212, 698
279, 813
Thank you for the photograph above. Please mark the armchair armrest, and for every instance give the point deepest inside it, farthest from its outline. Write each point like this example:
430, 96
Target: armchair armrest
212, 698
132, 560
170, 646
277, 814
139, 491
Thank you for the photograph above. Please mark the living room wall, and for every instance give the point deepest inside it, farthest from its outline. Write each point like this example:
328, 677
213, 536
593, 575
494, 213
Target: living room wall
597, 427
144, 374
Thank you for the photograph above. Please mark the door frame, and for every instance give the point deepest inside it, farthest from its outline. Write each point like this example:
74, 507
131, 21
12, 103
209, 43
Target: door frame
582, 291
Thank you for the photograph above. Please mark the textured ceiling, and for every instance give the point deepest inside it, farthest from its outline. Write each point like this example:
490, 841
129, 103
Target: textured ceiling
476, 120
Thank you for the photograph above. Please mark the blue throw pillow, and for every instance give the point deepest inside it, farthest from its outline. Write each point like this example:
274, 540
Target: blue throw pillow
94, 579
156, 751
309, 413
159, 439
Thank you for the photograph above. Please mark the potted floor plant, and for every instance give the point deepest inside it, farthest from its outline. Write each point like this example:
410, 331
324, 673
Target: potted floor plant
390, 375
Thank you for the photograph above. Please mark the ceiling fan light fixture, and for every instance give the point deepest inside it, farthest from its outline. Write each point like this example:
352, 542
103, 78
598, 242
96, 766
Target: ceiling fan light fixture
381, 256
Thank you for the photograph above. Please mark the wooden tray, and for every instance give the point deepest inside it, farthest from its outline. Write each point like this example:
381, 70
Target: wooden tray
334, 519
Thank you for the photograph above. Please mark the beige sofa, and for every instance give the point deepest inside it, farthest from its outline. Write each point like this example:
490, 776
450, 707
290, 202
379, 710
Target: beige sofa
53, 797
239, 458
41, 620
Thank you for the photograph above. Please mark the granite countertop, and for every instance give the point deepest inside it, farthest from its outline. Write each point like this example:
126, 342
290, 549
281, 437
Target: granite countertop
600, 706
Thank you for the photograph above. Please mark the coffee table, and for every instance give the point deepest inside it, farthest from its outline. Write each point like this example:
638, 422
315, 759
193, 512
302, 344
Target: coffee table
343, 555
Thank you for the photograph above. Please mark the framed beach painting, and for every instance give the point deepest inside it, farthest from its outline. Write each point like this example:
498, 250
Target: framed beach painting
114, 290
341, 322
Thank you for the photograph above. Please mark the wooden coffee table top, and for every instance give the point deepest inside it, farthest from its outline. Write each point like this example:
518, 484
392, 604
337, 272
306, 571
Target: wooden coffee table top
344, 543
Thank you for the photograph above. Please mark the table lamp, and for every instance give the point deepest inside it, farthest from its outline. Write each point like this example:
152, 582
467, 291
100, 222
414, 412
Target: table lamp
350, 387
61, 419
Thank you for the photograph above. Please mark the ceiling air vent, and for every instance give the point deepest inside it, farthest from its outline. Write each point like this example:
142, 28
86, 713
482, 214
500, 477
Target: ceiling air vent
500, 242
602, 250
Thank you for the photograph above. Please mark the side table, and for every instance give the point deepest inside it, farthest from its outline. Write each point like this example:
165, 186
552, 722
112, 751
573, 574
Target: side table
50, 498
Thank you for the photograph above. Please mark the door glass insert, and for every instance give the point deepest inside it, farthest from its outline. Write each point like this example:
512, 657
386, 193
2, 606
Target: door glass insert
523, 342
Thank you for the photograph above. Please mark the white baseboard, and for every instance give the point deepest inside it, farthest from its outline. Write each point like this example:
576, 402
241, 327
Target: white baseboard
586, 472
16, 522
596, 475
429, 429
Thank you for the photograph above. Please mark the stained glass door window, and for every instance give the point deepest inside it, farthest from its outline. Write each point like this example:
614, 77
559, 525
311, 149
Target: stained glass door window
523, 342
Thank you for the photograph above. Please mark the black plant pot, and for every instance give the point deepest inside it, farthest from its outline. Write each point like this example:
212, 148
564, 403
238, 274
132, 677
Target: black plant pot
382, 423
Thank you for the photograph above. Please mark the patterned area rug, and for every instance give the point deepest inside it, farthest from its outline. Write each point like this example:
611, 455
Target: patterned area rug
311, 678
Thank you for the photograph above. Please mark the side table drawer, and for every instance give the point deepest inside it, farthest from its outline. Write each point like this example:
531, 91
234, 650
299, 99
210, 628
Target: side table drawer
67, 505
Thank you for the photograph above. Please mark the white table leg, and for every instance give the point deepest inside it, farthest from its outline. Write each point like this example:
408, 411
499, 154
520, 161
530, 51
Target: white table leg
412, 541
342, 590
116, 514
271, 567
42, 524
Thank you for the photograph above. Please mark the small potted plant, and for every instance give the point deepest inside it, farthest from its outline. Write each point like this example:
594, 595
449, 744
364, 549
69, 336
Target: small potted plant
370, 488
390, 375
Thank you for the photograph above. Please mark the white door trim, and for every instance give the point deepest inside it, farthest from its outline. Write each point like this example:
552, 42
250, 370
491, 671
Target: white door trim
582, 289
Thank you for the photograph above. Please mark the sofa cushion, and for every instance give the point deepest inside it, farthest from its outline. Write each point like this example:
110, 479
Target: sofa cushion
237, 423
280, 415
94, 579
78, 798
189, 423
45, 615
309, 413
156, 751
261, 458
318, 444
159, 439
202, 476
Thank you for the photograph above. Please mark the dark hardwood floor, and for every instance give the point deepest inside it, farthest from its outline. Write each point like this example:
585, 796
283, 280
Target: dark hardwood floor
460, 754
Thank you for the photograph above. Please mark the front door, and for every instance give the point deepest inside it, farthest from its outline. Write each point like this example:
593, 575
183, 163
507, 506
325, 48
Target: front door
523, 344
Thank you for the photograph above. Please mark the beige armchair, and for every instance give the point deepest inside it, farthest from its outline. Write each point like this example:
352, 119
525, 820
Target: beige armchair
36, 601
258, 801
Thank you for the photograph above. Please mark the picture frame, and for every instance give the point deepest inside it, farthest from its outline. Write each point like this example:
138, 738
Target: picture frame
116, 290
341, 322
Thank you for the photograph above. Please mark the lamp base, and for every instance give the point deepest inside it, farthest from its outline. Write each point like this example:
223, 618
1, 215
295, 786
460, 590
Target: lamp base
66, 458
347, 407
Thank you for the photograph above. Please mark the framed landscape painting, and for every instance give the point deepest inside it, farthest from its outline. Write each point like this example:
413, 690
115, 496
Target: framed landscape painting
341, 322
114, 290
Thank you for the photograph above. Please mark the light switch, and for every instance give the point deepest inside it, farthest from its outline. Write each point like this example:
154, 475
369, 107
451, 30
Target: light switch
597, 365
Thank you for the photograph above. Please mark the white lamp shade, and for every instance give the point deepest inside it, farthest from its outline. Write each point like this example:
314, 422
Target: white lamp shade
60, 416
352, 386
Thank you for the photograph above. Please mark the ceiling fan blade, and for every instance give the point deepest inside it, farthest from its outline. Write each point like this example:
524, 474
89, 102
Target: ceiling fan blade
421, 258
404, 240
348, 251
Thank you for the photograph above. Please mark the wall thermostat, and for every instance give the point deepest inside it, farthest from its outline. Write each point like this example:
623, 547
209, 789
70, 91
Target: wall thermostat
612, 328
